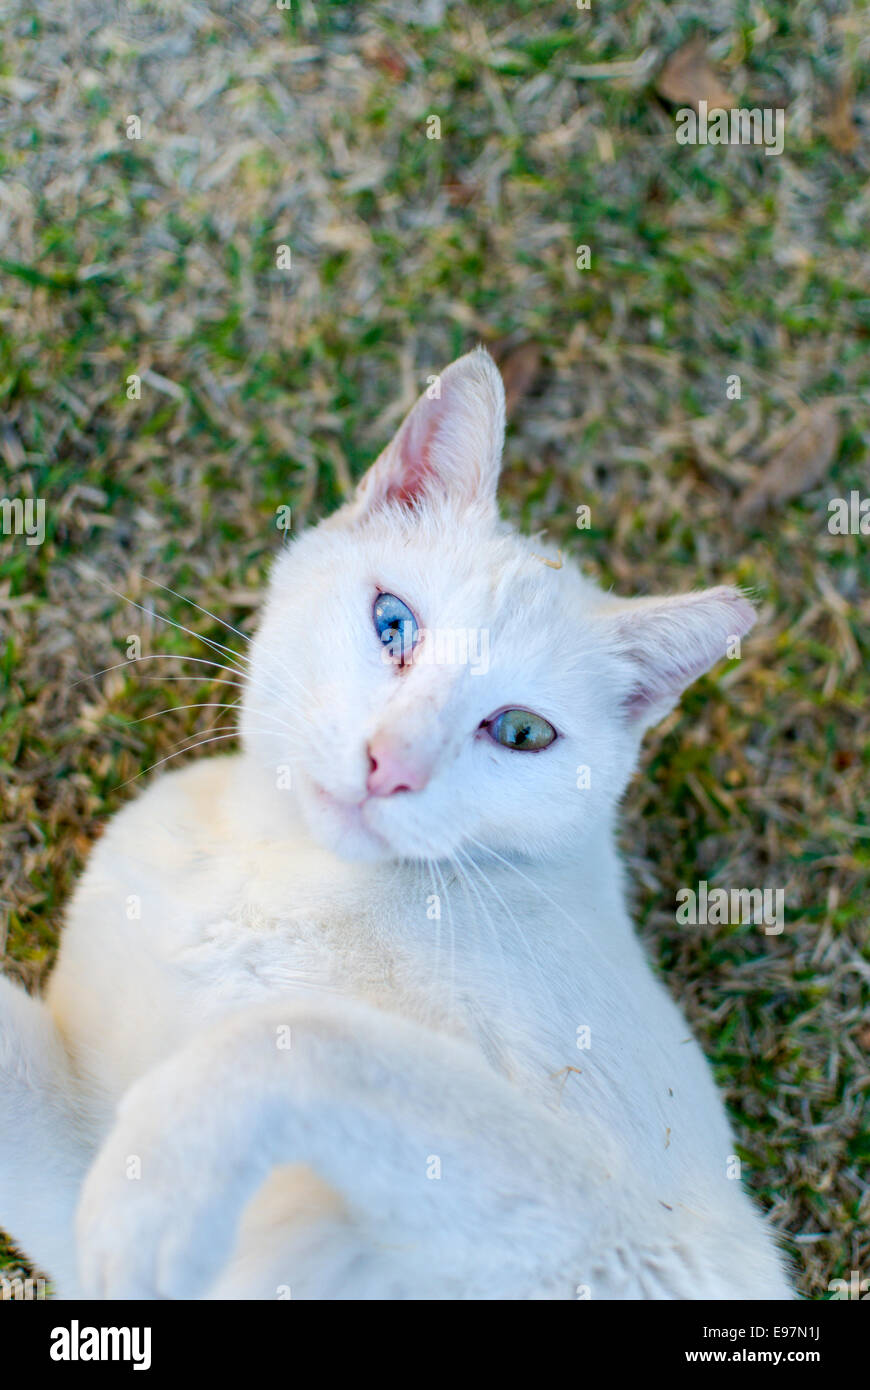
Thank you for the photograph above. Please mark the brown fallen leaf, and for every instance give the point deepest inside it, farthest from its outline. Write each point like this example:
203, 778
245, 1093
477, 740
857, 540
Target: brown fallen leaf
519, 369
385, 57
459, 195
687, 78
390, 61
799, 465
839, 125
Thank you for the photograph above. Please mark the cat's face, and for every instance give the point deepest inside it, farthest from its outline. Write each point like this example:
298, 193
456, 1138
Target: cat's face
428, 685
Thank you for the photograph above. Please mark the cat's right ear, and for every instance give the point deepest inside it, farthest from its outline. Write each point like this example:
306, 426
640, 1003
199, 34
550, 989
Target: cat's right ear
447, 448
666, 643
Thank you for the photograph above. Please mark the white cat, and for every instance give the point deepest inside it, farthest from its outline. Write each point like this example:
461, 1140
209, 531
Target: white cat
386, 1032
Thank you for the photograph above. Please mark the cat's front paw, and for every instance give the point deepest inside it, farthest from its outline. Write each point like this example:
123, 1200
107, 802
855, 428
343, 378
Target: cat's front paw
154, 1220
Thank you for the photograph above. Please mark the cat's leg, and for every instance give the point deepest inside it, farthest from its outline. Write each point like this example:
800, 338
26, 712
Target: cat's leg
43, 1150
435, 1178
296, 1239
445, 1181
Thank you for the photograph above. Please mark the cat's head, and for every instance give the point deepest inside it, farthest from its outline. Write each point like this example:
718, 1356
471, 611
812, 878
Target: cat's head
426, 681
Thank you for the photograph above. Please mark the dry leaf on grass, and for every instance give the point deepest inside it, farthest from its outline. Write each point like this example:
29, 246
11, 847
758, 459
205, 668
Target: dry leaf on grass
839, 125
519, 369
687, 77
799, 465
391, 62
385, 57
460, 195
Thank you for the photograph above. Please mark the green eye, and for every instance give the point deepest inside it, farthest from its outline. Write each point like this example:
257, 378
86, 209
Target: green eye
521, 730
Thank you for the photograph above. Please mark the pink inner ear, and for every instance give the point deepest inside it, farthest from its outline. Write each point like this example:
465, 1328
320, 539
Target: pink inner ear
416, 469
638, 699
417, 472
675, 641
655, 684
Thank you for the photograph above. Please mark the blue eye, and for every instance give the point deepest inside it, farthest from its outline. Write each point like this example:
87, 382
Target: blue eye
396, 626
521, 730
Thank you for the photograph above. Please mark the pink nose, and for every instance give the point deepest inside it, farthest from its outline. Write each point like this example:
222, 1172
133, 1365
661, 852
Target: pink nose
393, 770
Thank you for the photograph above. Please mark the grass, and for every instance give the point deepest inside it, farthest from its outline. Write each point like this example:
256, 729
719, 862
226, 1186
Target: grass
263, 387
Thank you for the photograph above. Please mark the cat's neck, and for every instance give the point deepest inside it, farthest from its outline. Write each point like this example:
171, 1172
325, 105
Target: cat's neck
582, 879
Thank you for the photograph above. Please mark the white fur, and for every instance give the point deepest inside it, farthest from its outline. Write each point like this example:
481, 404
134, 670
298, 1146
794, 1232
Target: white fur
269, 914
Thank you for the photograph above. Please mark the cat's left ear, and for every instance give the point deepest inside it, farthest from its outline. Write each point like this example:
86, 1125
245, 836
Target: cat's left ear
664, 644
448, 447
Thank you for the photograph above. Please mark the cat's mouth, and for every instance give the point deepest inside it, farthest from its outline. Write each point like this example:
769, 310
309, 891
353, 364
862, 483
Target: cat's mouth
344, 826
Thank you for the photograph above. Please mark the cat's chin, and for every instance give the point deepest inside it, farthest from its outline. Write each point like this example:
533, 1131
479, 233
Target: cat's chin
339, 826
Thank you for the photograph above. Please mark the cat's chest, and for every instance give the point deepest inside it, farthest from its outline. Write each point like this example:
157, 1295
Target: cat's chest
310, 943
256, 926
559, 1028
214, 928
